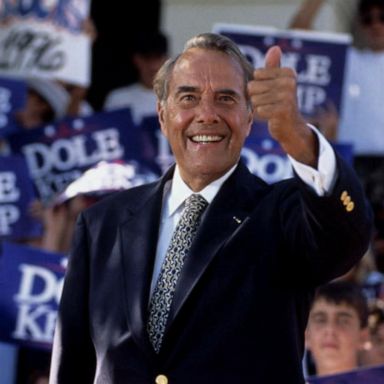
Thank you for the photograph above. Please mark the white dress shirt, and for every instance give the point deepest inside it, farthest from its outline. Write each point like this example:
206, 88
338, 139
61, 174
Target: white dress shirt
176, 191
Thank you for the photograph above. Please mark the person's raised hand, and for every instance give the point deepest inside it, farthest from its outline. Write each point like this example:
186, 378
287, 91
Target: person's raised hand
273, 95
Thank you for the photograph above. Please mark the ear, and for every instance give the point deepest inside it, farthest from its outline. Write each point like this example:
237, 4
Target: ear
365, 342
307, 339
136, 59
161, 113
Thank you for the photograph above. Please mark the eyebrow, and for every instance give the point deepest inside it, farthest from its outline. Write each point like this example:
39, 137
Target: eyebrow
344, 314
189, 88
186, 89
324, 314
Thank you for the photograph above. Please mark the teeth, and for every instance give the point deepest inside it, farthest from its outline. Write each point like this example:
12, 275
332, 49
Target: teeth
205, 138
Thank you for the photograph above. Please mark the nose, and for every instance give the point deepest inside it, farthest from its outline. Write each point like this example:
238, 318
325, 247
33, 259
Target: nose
207, 112
329, 329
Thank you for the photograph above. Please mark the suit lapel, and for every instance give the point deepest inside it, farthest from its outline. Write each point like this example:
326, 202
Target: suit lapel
138, 238
224, 218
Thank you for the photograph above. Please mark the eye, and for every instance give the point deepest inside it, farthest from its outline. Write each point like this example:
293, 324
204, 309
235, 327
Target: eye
319, 320
187, 97
344, 322
227, 99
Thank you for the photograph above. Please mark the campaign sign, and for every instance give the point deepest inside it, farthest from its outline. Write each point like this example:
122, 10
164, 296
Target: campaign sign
156, 152
369, 375
58, 154
30, 288
16, 194
45, 39
13, 95
265, 158
317, 57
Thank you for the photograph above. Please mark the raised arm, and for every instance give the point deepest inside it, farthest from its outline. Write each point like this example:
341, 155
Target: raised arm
273, 95
306, 14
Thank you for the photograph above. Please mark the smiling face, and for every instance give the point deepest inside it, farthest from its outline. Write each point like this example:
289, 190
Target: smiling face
205, 116
334, 336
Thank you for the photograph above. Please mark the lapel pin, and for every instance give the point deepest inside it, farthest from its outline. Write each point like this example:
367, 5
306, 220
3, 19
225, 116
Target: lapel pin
238, 221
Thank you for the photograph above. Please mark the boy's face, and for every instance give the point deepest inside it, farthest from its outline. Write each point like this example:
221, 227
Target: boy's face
334, 336
372, 26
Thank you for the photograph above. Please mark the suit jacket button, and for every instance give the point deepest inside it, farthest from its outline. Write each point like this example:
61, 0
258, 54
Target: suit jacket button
343, 195
347, 200
350, 206
161, 379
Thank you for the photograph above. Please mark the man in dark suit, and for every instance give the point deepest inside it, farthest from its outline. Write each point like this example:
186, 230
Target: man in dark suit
240, 304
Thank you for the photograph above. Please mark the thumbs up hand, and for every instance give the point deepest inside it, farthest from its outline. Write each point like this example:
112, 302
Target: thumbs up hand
273, 95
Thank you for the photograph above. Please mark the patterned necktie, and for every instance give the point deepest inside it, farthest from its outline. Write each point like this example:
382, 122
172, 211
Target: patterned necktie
179, 246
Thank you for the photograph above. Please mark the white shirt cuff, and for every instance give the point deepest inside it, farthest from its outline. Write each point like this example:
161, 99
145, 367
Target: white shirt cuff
323, 178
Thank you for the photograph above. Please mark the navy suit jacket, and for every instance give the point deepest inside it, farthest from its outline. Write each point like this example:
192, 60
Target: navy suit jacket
242, 300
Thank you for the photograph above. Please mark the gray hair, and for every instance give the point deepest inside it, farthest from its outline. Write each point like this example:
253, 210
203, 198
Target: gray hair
209, 41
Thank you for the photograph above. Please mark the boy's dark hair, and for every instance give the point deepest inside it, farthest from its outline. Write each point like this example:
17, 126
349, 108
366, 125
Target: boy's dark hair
366, 5
343, 292
152, 43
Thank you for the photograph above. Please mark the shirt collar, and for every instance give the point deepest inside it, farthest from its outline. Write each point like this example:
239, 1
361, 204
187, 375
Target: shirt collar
179, 191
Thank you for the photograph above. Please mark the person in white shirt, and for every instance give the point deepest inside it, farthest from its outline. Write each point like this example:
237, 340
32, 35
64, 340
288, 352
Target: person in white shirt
361, 119
149, 53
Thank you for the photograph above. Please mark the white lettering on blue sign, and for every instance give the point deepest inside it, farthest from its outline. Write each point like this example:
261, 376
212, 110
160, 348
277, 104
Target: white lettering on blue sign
9, 214
65, 154
9, 193
311, 79
269, 167
36, 317
5, 106
8, 189
68, 14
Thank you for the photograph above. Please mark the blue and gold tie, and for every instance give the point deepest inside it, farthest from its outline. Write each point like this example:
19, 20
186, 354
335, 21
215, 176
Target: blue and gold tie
178, 249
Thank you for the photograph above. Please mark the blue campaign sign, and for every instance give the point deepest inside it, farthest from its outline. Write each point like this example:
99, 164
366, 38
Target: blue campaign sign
317, 57
266, 159
69, 14
369, 375
156, 150
16, 194
319, 61
13, 94
58, 154
30, 288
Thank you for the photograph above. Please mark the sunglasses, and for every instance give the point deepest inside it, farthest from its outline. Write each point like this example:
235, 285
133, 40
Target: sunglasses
369, 18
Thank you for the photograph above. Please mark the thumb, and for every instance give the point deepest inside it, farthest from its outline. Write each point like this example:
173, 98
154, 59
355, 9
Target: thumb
273, 57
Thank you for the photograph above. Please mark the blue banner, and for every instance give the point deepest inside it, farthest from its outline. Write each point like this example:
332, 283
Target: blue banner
58, 154
369, 375
13, 94
318, 59
68, 14
16, 194
30, 288
266, 159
